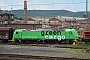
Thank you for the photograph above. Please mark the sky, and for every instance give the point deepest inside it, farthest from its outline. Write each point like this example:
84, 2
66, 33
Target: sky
71, 5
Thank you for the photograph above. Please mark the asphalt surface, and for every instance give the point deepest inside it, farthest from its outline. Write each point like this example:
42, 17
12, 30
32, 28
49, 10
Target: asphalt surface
40, 51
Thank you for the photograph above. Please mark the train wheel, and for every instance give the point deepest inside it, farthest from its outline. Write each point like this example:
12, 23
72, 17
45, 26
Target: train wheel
86, 41
37, 41
43, 42
50, 41
59, 42
4, 41
23, 41
56, 42
67, 41
46, 41
19, 41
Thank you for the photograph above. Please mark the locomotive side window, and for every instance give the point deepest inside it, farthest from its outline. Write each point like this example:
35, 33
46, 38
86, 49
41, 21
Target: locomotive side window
70, 32
16, 32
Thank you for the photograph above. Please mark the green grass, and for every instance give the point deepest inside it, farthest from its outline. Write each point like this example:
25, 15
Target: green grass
82, 45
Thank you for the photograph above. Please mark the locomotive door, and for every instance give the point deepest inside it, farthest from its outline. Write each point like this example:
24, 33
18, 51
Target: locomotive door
70, 35
67, 35
20, 35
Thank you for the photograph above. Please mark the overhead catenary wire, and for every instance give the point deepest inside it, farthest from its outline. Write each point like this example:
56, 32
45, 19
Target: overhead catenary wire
69, 2
72, 3
51, 4
54, 3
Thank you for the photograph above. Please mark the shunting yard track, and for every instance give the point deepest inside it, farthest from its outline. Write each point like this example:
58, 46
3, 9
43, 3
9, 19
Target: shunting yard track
45, 45
29, 57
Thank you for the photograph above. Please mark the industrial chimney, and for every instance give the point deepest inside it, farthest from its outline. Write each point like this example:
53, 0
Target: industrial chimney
25, 10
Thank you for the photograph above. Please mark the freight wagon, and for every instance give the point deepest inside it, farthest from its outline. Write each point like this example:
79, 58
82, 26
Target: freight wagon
86, 36
45, 35
6, 33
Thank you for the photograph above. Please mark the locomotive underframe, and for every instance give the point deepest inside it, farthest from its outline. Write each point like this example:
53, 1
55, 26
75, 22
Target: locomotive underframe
44, 40
86, 40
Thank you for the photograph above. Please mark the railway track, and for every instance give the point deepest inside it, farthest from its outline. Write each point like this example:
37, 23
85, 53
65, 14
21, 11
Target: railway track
45, 45
29, 57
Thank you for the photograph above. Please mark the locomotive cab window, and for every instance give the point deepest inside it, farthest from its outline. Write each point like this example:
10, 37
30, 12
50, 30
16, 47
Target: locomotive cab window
16, 32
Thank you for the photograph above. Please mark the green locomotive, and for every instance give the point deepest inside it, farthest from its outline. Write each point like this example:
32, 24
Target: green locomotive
45, 35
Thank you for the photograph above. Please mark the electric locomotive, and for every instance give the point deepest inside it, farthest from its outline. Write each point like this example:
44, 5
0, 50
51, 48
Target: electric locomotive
45, 35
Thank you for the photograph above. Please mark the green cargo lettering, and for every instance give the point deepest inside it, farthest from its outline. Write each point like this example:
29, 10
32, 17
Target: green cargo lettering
55, 37
43, 33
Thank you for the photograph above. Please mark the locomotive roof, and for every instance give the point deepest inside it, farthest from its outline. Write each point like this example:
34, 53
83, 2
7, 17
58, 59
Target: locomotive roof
34, 30
43, 30
39, 30
69, 29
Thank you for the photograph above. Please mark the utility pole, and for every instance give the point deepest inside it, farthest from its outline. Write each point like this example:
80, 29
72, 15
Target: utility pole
86, 13
0, 7
86, 8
